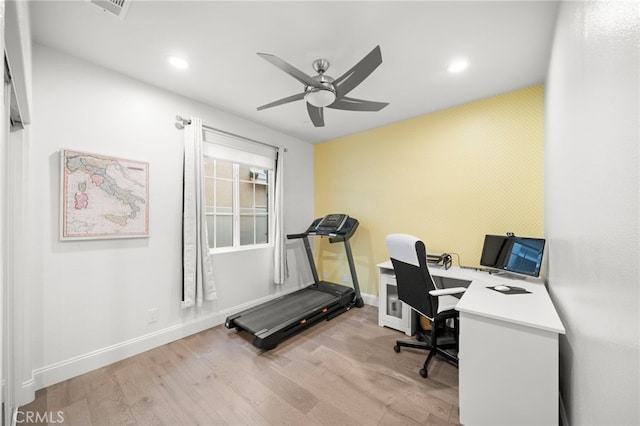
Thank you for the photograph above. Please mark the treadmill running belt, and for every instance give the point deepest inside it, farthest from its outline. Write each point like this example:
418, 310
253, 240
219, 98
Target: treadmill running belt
287, 308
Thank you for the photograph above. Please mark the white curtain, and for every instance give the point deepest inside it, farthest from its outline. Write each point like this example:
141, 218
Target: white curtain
198, 283
280, 272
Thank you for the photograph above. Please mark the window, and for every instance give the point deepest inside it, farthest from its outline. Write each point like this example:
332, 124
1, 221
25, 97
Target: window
238, 187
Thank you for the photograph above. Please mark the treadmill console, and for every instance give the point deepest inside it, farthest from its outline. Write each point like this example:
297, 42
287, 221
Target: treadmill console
337, 226
331, 224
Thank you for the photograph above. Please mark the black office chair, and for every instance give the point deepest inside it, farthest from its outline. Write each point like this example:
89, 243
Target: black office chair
417, 289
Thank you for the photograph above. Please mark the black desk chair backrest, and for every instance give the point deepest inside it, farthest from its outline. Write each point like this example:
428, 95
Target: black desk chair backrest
409, 258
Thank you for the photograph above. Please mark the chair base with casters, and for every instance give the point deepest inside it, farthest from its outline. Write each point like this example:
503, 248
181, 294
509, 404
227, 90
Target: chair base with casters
440, 340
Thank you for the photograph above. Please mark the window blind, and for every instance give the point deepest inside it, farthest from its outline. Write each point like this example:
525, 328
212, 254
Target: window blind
227, 146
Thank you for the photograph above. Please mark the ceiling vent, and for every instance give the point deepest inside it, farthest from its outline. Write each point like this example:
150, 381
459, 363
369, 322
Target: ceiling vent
118, 8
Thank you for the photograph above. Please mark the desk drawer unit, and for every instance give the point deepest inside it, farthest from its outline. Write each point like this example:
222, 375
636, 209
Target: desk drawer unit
508, 373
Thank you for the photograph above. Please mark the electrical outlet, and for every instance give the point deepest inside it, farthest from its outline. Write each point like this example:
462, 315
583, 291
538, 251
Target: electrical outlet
345, 278
152, 315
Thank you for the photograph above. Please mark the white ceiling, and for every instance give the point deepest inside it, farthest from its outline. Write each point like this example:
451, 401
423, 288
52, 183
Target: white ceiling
507, 44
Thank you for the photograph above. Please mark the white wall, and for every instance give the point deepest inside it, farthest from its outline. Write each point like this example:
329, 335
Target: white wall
91, 297
591, 208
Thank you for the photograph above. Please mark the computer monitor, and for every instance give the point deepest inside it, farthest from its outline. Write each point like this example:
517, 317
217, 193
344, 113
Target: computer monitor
521, 255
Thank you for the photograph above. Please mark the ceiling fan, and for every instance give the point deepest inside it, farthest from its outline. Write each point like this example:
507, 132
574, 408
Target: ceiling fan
323, 91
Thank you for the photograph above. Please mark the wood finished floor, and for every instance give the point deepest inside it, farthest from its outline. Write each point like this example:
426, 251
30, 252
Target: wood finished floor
338, 372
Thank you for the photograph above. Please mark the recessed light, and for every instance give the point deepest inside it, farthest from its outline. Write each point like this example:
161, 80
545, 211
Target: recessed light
458, 66
178, 62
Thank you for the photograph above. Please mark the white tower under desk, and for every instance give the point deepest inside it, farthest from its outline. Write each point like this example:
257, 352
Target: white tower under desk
392, 312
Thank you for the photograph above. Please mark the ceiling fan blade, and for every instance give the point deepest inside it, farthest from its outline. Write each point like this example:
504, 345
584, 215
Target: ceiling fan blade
349, 80
282, 101
353, 104
291, 70
316, 114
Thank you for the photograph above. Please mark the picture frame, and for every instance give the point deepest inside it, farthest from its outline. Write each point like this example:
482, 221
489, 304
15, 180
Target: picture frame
102, 197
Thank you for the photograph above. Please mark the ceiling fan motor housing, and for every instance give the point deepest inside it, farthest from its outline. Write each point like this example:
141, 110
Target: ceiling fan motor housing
317, 96
321, 65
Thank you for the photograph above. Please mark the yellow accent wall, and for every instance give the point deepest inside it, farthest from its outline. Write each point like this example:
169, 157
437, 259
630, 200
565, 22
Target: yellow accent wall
448, 177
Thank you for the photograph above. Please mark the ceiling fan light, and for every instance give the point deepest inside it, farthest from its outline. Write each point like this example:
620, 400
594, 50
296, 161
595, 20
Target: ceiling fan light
320, 97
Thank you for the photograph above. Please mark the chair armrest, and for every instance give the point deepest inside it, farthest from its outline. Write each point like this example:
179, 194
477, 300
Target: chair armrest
447, 291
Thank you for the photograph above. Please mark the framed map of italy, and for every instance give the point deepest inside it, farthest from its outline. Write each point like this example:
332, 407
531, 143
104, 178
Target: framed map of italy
103, 197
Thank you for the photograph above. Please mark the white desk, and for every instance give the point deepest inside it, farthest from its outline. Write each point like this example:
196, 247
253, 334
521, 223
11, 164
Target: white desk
508, 354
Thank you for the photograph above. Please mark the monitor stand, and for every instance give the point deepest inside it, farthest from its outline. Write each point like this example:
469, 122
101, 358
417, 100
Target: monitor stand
505, 274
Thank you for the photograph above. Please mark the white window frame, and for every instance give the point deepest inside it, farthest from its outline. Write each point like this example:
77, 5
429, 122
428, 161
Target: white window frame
242, 152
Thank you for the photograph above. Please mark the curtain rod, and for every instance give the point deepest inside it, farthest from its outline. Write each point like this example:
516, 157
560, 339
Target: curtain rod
185, 122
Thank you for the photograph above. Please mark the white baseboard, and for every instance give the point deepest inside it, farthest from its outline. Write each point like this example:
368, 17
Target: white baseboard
27, 392
72, 367
370, 299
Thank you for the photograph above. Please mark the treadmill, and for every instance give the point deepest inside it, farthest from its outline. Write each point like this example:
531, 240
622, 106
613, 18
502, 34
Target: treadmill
278, 319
